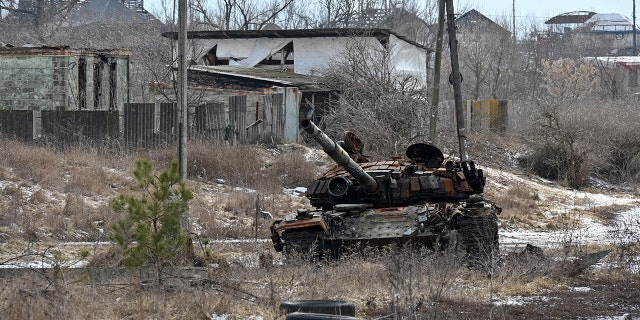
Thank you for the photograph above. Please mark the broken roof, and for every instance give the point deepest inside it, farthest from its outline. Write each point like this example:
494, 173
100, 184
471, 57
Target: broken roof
627, 62
381, 34
266, 77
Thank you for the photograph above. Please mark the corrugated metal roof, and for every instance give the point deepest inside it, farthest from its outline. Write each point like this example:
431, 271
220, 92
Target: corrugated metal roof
609, 22
381, 34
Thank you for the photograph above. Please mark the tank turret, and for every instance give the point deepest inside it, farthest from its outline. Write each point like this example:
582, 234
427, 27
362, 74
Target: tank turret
419, 178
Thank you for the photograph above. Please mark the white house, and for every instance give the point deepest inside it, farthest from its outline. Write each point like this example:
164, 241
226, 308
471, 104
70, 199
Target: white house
302, 51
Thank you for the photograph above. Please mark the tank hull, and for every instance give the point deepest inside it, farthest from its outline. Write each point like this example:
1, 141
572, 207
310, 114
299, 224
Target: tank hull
330, 233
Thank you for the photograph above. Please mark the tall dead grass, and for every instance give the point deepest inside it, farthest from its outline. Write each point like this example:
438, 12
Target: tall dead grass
251, 167
55, 190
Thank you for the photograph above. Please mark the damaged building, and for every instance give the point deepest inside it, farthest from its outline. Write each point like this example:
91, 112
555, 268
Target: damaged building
41, 86
277, 71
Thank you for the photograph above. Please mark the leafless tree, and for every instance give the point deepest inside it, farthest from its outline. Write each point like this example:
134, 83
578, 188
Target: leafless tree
383, 107
237, 14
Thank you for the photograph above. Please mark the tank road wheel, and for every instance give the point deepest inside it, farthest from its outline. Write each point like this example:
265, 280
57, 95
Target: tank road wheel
307, 244
324, 307
478, 235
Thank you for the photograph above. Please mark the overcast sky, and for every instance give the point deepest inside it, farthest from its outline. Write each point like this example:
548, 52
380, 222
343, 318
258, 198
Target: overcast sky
545, 9
527, 11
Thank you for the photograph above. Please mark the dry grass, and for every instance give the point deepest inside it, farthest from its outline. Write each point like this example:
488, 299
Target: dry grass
70, 190
520, 207
394, 283
606, 214
70, 201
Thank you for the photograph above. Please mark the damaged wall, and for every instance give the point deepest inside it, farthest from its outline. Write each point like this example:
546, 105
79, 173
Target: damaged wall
58, 78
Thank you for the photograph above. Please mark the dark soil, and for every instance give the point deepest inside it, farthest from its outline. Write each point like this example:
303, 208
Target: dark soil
619, 298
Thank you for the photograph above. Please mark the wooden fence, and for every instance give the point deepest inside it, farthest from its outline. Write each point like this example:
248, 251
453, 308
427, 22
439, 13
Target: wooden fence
154, 124
480, 115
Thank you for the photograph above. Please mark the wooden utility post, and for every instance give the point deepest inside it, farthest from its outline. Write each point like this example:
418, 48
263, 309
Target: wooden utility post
513, 18
182, 87
182, 101
457, 79
633, 73
435, 101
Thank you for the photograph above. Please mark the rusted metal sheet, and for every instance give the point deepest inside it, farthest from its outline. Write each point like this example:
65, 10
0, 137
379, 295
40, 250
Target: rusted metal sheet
304, 223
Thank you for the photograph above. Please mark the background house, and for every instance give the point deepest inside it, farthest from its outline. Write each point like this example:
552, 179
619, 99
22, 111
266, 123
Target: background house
37, 80
473, 23
302, 51
607, 34
565, 23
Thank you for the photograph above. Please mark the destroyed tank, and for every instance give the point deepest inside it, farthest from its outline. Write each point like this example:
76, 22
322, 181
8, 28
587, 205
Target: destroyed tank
418, 200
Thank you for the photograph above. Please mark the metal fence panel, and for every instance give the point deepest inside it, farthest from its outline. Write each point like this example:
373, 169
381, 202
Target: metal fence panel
17, 123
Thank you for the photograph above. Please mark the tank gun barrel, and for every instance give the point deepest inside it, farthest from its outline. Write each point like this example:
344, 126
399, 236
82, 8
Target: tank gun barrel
340, 156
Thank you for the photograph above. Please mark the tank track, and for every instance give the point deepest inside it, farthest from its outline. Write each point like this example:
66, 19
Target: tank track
478, 235
306, 243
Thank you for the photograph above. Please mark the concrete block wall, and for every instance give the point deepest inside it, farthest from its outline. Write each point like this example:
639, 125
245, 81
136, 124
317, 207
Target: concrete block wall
33, 82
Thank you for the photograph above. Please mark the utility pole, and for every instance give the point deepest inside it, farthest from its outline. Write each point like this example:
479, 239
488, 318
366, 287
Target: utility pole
635, 47
633, 73
182, 101
457, 79
435, 101
513, 18
182, 87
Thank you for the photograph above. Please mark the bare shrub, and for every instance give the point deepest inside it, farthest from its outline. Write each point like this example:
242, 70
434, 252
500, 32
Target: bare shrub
626, 238
33, 163
576, 134
89, 181
290, 169
419, 279
519, 205
73, 206
39, 197
12, 191
384, 110
238, 166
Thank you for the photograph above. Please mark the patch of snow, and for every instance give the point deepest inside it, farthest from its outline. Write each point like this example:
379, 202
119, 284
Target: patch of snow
625, 229
44, 264
296, 192
625, 316
581, 289
520, 300
576, 199
247, 190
